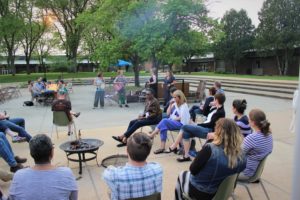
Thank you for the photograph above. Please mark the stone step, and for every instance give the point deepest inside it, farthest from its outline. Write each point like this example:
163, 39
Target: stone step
251, 87
254, 92
290, 86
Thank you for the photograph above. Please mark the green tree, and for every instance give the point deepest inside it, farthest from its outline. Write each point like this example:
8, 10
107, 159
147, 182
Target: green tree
279, 31
34, 27
145, 30
11, 25
238, 36
66, 12
47, 42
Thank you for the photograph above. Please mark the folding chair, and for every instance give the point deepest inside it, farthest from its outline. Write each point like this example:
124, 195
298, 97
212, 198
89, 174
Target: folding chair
256, 178
156, 196
60, 118
225, 189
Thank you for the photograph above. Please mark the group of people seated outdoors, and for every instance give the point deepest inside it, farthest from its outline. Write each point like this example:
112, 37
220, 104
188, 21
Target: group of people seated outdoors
233, 146
43, 88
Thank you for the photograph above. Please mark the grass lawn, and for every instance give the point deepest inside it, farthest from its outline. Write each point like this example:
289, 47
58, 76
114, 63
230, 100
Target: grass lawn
54, 76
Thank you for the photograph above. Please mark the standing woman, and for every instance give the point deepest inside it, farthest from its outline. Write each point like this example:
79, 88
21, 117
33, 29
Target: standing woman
257, 145
119, 85
152, 83
238, 109
169, 81
99, 82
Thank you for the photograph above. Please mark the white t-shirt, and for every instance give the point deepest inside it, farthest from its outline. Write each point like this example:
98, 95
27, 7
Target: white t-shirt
182, 112
100, 84
208, 119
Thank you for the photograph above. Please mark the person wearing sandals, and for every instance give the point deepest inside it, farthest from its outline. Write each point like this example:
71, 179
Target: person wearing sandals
178, 117
257, 145
201, 130
152, 115
44, 180
119, 85
217, 160
99, 82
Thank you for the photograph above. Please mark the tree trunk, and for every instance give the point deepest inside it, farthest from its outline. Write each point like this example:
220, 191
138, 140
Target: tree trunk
11, 62
278, 65
189, 65
286, 60
136, 70
234, 67
27, 59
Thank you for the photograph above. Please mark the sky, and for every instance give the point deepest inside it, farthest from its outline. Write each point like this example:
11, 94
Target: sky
218, 8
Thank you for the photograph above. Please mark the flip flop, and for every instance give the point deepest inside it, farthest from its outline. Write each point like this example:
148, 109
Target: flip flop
117, 138
121, 144
159, 151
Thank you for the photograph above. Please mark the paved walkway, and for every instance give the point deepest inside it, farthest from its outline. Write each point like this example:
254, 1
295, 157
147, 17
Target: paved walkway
112, 120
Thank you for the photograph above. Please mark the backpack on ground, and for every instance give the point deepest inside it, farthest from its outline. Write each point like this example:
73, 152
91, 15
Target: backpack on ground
28, 103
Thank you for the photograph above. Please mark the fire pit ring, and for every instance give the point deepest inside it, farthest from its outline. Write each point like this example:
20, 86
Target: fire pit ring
81, 148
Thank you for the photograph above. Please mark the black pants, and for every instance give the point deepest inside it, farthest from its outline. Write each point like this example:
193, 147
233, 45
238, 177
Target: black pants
138, 123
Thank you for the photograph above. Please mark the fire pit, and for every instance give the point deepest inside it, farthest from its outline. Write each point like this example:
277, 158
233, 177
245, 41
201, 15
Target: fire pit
82, 147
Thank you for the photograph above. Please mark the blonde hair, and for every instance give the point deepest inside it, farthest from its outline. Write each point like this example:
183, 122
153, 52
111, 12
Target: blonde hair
181, 96
228, 134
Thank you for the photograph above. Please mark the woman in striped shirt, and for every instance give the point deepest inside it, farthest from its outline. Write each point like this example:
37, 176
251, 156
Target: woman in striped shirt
257, 145
238, 108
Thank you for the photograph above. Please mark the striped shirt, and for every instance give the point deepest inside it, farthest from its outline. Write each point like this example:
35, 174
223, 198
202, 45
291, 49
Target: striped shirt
243, 124
132, 182
256, 146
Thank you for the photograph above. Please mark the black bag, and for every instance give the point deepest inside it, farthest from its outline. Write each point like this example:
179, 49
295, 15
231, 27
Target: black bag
28, 103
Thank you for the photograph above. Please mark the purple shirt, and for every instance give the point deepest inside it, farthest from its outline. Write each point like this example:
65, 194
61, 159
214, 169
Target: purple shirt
256, 146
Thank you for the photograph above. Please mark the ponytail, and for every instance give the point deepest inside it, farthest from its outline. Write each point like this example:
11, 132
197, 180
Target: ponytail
259, 119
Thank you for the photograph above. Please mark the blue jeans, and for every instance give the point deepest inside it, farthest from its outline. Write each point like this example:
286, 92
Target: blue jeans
190, 131
99, 96
138, 123
6, 152
18, 121
16, 128
194, 111
165, 125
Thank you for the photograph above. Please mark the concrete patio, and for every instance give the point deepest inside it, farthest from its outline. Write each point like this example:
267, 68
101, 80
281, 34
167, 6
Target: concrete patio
112, 120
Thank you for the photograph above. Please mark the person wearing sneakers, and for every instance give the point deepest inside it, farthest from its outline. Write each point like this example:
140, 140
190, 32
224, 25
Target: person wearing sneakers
17, 125
62, 104
15, 162
99, 82
43, 180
